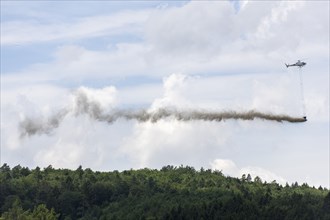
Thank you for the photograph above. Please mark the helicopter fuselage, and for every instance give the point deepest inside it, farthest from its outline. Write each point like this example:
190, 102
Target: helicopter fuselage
298, 64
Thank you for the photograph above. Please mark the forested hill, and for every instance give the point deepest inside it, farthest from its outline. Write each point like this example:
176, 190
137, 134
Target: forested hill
169, 193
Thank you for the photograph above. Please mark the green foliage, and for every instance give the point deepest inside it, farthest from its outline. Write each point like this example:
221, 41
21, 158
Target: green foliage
40, 212
168, 193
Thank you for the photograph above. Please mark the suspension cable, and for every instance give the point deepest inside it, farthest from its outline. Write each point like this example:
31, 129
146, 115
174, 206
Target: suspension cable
302, 93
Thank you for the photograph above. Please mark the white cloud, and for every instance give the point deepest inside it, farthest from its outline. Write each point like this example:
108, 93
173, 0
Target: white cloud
143, 95
173, 142
173, 97
194, 28
34, 31
243, 4
84, 98
278, 15
82, 141
264, 174
214, 40
228, 167
77, 140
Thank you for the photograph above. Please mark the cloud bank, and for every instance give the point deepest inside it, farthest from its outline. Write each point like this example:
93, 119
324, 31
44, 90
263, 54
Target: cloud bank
228, 167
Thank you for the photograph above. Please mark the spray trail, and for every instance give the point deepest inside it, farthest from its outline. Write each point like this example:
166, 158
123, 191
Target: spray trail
191, 115
85, 104
31, 127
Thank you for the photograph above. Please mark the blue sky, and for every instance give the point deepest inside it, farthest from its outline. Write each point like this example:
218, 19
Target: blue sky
45, 12
219, 55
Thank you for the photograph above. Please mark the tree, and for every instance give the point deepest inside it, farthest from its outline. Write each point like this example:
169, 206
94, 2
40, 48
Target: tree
326, 203
80, 171
16, 171
171, 193
16, 212
5, 171
257, 179
42, 213
249, 178
37, 174
48, 169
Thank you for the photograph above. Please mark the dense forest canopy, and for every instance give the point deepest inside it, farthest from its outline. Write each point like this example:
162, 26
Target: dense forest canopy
168, 193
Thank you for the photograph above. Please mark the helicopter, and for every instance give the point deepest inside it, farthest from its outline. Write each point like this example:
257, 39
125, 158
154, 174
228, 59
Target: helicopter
298, 64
